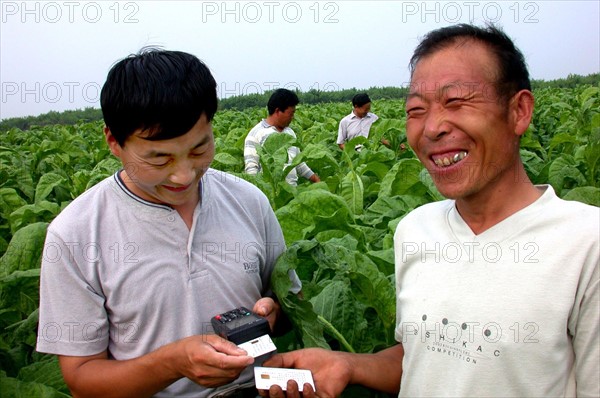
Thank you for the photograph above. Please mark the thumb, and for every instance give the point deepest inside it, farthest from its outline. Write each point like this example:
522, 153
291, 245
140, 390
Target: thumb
224, 346
276, 361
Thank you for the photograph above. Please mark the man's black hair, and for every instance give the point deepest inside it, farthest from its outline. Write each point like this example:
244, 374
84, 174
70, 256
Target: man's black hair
360, 99
161, 92
512, 74
282, 99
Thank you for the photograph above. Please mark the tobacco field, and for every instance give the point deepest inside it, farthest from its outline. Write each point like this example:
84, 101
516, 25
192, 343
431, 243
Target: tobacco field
338, 232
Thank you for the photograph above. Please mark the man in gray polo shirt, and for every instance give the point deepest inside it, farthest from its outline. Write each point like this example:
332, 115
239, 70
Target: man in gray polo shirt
134, 268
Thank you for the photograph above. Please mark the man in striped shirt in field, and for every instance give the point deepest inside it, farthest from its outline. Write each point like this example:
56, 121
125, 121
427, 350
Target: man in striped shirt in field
281, 107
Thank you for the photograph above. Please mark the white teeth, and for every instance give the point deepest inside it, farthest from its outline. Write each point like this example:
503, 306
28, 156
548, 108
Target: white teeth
444, 162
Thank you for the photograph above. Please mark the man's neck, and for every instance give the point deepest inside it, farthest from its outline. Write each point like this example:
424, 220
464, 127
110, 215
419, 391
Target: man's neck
272, 121
487, 208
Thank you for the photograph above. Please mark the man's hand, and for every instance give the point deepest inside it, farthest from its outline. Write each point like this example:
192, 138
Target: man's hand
292, 391
331, 372
210, 360
207, 360
268, 308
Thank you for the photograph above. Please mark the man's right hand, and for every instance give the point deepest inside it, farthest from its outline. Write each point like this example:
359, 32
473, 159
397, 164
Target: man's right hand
331, 372
208, 360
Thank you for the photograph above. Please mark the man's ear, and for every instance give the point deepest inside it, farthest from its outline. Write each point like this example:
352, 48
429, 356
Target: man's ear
521, 110
114, 146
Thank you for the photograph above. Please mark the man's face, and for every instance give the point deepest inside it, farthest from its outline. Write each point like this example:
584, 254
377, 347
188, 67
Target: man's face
286, 117
167, 171
458, 127
361, 111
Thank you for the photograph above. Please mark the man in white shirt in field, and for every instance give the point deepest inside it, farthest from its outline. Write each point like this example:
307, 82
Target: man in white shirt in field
281, 108
358, 122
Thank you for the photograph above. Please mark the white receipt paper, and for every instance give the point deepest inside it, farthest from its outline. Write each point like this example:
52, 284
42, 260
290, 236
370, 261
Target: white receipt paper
259, 346
266, 377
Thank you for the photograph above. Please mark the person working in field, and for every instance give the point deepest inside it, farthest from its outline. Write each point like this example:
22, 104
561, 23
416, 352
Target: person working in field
497, 287
358, 123
175, 241
281, 107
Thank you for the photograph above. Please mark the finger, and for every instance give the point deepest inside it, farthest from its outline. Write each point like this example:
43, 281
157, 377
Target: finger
287, 359
307, 391
276, 361
264, 306
225, 356
276, 392
292, 389
223, 346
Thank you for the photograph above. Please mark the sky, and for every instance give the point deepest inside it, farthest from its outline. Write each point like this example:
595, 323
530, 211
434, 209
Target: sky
55, 55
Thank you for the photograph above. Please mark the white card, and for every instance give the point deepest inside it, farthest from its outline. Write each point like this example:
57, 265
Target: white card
259, 346
266, 377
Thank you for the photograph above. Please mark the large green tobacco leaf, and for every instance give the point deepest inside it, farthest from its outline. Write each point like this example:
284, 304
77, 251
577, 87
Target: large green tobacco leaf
589, 195
46, 372
404, 179
320, 160
226, 161
15, 171
15, 388
563, 173
352, 191
10, 201
46, 184
314, 211
533, 165
351, 301
44, 211
24, 251
19, 292
591, 159
299, 310
274, 155
337, 306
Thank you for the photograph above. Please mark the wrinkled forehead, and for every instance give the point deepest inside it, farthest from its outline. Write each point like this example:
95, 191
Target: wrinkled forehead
469, 66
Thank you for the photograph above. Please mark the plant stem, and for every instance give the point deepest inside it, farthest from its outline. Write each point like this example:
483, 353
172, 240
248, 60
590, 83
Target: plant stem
335, 333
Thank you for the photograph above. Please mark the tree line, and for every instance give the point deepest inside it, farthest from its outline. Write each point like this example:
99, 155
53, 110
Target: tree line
242, 102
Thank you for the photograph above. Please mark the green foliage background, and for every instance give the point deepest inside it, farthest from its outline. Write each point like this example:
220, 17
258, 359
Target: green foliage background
339, 231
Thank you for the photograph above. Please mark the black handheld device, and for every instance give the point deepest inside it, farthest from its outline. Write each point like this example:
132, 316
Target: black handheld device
240, 325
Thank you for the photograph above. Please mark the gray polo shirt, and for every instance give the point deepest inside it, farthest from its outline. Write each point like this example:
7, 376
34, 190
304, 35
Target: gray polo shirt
127, 275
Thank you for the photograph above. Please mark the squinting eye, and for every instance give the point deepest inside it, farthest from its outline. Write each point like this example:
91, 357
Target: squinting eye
453, 100
414, 111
